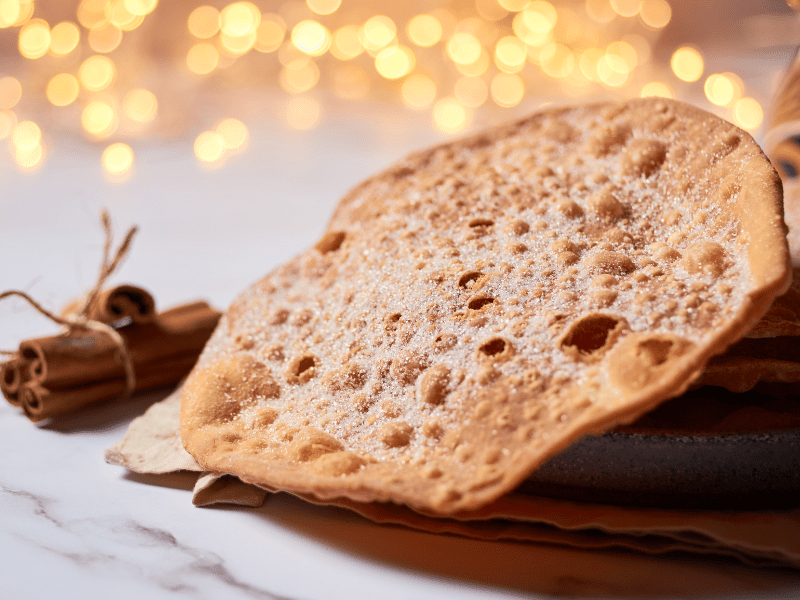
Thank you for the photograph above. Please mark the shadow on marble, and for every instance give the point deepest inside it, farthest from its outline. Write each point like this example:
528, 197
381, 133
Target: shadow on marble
526, 567
106, 415
181, 480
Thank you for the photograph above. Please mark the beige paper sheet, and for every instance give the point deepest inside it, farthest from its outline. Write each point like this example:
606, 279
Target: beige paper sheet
152, 445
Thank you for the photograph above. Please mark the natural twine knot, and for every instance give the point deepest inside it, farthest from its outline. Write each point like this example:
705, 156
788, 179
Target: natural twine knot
79, 320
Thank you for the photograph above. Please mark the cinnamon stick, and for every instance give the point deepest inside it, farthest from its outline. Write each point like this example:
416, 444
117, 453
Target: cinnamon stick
78, 357
123, 302
40, 402
11, 379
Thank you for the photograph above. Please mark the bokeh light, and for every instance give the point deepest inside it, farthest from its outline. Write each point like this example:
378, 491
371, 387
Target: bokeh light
424, 30
96, 73
626, 8
719, 89
395, 62
656, 88
209, 146
233, 133
270, 33
204, 22
507, 89
418, 91
324, 7
64, 38
464, 48
687, 64
26, 136
62, 89
449, 115
346, 44
34, 38
311, 38
656, 13
117, 160
10, 92
748, 114
202, 58
99, 119
140, 105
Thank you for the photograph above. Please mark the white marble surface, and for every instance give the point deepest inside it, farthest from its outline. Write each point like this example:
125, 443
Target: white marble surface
72, 526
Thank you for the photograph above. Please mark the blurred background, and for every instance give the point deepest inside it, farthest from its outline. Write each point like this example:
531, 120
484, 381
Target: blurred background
228, 130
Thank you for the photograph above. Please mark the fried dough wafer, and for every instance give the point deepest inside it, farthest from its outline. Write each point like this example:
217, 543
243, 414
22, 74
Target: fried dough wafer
482, 304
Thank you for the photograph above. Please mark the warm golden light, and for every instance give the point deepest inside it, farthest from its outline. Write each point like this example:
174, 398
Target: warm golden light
311, 37
270, 33
29, 159
104, 38
379, 31
303, 113
395, 62
557, 60
346, 44
463, 48
8, 121
99, 119
140, 105
10, 92
117, 14
91, 13
471, 91
510, 54
117, 160
748, 113
449, 115
540, 16
656, 88
324, 7
424, 30
612, 70
299, 76
624, 51
477, 68
599, 11
513, 5
687, 64
202, 58
656, 13
626, 8
239, 18
96, 73
62, 89
719, 89
490, 10
588, 63
233, 133
64, 38
238, 44
34, 38
507, 89
10, 12
418, 91
140, 8
26, 136
204, 22
209, 146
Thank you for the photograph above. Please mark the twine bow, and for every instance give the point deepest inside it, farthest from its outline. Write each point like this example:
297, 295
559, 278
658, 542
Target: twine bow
79, 320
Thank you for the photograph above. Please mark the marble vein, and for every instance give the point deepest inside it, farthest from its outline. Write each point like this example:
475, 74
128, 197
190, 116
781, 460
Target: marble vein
113, 545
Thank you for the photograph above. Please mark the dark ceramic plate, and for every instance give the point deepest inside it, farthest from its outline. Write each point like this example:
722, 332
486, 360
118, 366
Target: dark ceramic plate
738, 471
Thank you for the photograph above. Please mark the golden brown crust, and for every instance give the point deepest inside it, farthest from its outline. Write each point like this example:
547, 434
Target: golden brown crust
482, 304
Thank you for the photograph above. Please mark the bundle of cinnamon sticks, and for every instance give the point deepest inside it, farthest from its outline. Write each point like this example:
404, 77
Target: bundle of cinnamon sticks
51, 376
